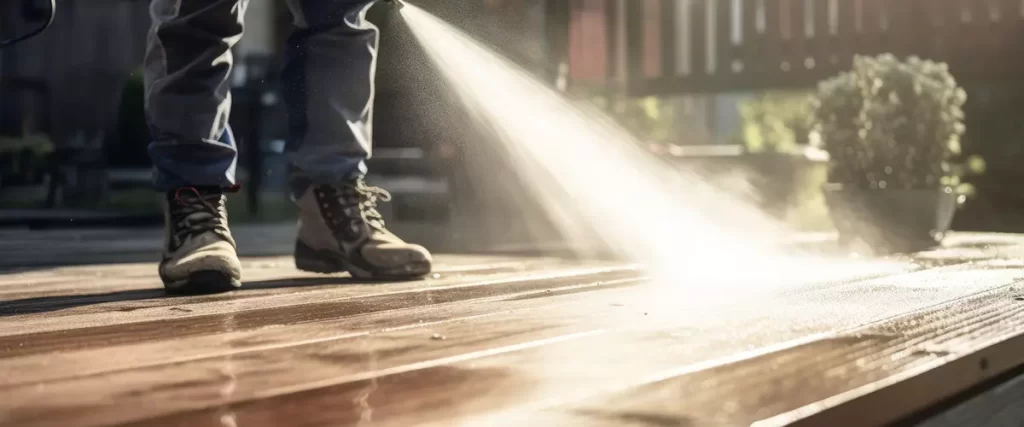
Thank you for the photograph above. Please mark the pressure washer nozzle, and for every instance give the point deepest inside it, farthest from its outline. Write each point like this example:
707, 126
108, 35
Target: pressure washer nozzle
395, 3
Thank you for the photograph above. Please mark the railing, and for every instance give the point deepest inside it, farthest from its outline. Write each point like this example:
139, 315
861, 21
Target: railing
673, 46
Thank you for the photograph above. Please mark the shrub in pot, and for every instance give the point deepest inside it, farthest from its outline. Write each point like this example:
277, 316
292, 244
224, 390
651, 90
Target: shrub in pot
890, 128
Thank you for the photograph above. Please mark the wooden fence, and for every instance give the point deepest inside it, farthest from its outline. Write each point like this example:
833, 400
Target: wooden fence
680, 46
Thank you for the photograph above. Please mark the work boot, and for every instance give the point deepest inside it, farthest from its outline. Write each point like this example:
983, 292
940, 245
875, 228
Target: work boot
200, 255
340, 230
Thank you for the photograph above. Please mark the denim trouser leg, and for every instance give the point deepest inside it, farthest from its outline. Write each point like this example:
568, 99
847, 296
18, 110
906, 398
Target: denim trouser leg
328, 85
187, 66
329, 68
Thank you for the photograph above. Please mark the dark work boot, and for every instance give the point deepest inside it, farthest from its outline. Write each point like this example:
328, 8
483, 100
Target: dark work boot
199, 255
340, 230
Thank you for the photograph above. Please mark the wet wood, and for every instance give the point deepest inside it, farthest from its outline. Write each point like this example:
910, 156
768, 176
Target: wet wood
490, 340
43, 313
179, 321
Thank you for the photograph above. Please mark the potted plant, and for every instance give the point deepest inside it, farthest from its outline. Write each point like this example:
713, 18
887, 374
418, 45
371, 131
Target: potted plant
890, 128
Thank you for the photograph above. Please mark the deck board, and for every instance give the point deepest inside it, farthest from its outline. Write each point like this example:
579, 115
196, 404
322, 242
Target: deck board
543, 340
39, 314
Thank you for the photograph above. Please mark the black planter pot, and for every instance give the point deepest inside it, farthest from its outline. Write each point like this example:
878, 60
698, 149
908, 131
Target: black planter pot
891, 221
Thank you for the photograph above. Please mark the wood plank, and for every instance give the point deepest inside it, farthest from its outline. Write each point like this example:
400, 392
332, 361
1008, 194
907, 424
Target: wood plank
873, 36
50, 336
904, 28
612, 52
772, 386
977, 47
634, 43
935, 370
698, 31
949, 24
795, 52
68, 280
109, 291
772, 39
820, 47
724, 47
41, 368
848, 36
653, 37
929, 20
544, 342
540, 372
669, 37
176, 387
600, 344
752, 39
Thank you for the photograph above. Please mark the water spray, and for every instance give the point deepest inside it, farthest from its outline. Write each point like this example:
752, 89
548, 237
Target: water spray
584, 169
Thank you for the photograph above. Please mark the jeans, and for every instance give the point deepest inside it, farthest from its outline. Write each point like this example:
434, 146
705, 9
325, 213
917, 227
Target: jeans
328, 87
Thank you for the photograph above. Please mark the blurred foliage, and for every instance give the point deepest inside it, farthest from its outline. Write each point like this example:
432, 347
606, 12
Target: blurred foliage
23, 160
892, 124
775, 127
37, 144
129, 148
649, 119
777, 122
274, 207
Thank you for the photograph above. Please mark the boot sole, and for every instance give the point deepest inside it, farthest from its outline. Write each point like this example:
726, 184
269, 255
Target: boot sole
203, 283
325, 262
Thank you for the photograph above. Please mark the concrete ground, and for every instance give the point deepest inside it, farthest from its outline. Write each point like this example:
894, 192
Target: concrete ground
497, 340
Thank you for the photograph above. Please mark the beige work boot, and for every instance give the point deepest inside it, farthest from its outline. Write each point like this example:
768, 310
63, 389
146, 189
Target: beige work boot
199, 255
340, 230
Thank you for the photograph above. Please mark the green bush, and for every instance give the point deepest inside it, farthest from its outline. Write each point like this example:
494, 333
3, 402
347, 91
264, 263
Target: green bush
129, 148
777, 122
650, 119
23, 160
891, 124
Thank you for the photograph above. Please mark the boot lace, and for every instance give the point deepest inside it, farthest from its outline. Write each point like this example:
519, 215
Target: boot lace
356, 202
196, 212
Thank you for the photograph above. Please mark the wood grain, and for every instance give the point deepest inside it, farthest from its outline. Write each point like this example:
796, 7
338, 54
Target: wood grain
491, 340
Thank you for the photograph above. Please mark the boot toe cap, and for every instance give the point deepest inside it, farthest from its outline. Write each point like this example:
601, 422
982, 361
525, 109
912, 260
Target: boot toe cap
218, 257
399, 259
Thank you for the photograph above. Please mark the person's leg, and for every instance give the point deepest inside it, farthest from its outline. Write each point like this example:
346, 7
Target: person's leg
329, 70
187, 69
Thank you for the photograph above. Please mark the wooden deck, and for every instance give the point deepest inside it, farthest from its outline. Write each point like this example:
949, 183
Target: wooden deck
492, 340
